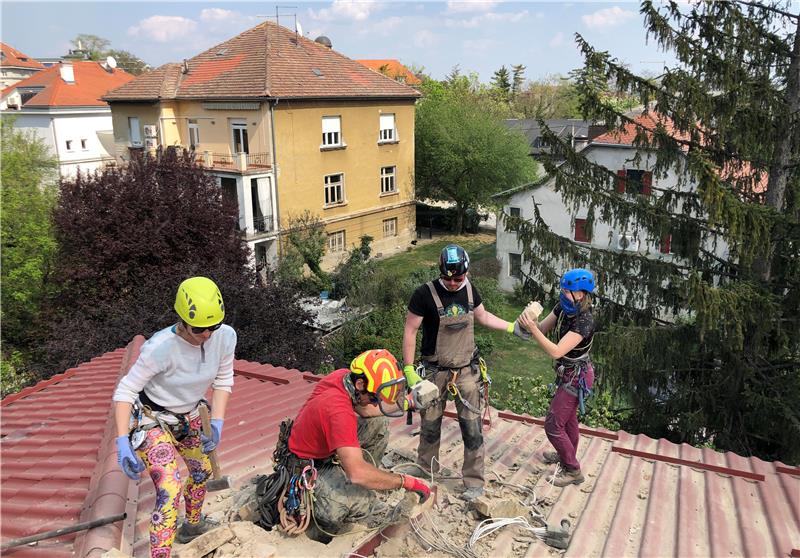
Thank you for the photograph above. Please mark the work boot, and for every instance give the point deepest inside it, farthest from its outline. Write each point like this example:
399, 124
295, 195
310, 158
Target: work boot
190, 531
472, 493
550, 457
566, 477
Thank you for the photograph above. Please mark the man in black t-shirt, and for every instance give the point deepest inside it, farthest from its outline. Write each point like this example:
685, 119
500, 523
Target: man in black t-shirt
447, 308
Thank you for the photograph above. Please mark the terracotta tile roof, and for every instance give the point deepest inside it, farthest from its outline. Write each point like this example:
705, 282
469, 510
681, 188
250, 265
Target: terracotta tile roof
12, 58
648, 121
393, 69
642, 496
92, 81
267, 61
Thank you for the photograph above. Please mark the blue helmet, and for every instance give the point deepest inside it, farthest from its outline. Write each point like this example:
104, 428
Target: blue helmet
578, 279
453, 261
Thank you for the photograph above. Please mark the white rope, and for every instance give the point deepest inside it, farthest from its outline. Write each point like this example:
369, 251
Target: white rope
489, 526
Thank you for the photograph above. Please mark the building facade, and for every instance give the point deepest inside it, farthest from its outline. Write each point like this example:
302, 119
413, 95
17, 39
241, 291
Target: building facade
287, 126
16, 66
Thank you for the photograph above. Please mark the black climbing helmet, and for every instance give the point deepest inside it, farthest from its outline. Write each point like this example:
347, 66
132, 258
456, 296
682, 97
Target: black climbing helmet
453, 261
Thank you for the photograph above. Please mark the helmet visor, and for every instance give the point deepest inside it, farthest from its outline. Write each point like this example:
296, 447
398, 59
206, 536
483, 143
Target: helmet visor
391, 397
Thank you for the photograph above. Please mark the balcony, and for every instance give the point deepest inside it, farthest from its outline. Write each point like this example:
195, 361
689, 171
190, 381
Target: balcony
240, 162
263, 224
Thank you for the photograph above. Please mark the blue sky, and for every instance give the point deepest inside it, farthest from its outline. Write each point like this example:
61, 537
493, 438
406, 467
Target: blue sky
479, 35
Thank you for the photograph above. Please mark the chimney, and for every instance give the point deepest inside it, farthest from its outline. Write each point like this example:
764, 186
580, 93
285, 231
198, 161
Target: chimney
67, 73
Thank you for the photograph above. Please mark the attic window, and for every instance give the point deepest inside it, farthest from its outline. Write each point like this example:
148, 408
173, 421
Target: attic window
23, 58
317, 72
222, 52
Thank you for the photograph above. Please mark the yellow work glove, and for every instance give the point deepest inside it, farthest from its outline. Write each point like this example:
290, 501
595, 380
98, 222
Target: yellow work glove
412, 378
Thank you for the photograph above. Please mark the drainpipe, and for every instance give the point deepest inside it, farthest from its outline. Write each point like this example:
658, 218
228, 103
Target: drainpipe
274, 162
55, 146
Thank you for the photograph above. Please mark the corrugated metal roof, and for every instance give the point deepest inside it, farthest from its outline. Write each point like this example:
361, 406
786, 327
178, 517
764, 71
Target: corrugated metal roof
642, 496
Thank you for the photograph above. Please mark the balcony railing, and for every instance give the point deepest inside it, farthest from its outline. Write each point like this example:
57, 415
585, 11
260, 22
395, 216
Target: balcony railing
263, 224
239, 162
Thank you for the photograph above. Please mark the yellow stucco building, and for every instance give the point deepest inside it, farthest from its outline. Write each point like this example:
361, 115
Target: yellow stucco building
286, 125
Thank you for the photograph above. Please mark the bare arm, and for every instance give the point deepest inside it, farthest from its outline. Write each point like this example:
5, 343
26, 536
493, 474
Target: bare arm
365, 474
565, 344
487, 319
122, 417
410, 337
219, 402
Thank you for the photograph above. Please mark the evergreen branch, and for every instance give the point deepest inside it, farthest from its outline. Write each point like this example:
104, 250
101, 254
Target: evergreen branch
769, 9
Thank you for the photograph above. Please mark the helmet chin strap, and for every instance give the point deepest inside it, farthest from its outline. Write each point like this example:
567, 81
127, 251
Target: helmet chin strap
463, 284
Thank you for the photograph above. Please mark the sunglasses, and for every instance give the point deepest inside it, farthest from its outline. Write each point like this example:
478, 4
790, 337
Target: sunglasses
455, 279
199, 330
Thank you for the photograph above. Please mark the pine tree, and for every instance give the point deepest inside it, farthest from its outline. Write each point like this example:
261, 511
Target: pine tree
517, 79
501, 81
726, 371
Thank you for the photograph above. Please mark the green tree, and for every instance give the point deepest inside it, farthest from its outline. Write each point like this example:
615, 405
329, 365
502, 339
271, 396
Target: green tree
464, 153
305, 243
725, 118
98, 48
501, 82
551, 97
128, 61
26, 242
517, 79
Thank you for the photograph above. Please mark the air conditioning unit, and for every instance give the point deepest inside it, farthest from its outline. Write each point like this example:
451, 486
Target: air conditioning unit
150, 143
136, 143
150, 130
628, 242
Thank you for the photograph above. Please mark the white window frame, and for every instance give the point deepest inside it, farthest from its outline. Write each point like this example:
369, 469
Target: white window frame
387, 128
388, 180
390, 227
239, 125
68, 143
334, 190
331, 132
194, 133
135, 131
337, 241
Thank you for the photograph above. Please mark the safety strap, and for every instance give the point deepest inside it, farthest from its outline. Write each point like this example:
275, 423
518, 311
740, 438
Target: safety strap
586, 348
438, 301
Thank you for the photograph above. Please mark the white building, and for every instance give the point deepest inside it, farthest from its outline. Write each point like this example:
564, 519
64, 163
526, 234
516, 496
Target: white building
16, 66
62, 106
616, 153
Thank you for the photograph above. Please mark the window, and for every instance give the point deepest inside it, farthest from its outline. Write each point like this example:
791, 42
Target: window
581, 233
84, 144
134, 131
514, 212
334, 189
336, 242
331, 131
194, 134
239, 129
69, 145
632, 181
665, 246
387, 132
390, 227
387, 180
515, 265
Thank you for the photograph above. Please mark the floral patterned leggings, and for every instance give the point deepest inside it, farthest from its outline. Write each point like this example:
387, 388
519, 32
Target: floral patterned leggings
158, 451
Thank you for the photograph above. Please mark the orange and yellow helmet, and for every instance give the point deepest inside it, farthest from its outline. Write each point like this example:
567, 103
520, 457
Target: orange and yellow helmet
382, 374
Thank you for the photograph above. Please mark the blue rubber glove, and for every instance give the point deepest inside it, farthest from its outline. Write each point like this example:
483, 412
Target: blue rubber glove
210, 444
128, 461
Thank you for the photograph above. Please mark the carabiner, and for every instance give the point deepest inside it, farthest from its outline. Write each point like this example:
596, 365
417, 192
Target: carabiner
312, 471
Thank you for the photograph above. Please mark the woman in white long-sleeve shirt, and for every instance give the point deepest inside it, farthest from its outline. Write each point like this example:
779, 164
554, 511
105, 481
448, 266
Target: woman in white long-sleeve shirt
156, 409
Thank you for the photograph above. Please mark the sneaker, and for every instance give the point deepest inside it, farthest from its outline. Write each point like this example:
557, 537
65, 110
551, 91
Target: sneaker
549, 457
190, 531
471, 494
566, 477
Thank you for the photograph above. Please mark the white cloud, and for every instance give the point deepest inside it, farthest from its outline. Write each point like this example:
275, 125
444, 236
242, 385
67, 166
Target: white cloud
607, 17
424, 39
478, 46
163, 29
484, 19
557, 40
217, 14
387, 26
460, 6
354, 10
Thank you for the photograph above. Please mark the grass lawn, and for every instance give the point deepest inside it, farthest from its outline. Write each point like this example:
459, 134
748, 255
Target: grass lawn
511, 356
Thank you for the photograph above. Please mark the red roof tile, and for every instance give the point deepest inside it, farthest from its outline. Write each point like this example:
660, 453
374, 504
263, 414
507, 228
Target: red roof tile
265, 61
642, 496
392, 68
12, 58
647, 120
92, 81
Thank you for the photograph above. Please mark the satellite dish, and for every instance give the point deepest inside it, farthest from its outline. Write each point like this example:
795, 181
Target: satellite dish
298, 28
111, 62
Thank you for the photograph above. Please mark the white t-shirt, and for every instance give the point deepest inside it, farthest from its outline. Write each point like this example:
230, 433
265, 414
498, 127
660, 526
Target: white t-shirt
176, 374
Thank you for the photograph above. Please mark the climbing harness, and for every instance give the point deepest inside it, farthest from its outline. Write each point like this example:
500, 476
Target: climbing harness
568, 369
175, 425
487, 383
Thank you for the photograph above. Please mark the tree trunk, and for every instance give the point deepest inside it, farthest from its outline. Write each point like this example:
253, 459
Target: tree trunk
779, 169
458, 226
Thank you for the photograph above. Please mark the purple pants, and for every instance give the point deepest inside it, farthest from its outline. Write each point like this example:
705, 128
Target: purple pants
561, 423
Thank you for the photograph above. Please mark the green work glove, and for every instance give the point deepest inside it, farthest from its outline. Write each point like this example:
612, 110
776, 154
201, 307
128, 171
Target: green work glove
412, 378
518, 330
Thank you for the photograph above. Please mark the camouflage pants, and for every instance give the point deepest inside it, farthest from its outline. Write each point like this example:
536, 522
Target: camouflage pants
336, 500
469, 384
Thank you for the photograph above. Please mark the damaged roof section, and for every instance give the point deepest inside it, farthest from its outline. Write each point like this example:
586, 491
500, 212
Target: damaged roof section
641, 496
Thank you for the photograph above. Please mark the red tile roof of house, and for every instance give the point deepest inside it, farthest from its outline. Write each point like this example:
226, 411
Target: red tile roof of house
648, 121
641, 497
392, 68
92, 81
267, 61
12, 58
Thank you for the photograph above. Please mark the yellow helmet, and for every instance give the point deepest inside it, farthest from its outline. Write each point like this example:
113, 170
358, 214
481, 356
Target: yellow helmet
199, 302
383, 376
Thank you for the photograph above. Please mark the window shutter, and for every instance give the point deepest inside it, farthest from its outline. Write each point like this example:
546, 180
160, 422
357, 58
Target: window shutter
621, 181
647, 183
666, 240
387, 121
330, 124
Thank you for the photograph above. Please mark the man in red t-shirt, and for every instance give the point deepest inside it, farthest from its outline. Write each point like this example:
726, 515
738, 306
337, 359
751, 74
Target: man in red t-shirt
344, 418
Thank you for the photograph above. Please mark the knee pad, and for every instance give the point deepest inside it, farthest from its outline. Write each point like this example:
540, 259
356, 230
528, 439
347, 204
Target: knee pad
471, 432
